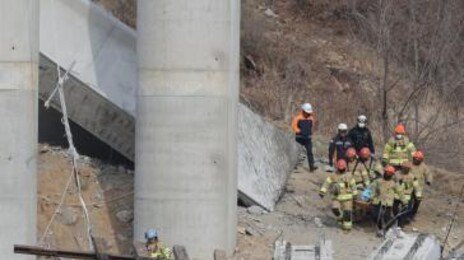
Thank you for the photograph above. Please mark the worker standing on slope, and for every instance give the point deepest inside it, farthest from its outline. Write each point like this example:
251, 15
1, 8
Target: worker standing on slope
361, 135
343, 188
359, 168
338, 146
408, 186
385, 191
398, 149
423, 176
155, 248
302, 126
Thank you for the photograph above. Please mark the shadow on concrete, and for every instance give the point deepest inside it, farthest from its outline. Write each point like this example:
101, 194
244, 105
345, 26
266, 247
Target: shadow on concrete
51, 131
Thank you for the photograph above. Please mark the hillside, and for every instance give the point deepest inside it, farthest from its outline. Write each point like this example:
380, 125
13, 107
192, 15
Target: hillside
292, 51
108, 191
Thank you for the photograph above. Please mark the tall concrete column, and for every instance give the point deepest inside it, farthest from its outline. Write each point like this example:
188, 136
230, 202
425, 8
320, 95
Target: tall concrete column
186, 152
19, 45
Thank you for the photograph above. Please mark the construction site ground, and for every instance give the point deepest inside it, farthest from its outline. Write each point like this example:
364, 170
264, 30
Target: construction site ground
108, 191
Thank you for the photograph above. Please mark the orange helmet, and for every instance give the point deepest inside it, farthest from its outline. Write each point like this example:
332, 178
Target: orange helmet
418, 155
400, 129
389, 171
365, 153
341, 165
350, 153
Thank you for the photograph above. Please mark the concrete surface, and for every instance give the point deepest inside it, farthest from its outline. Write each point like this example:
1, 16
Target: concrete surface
19, 41
186, 149
414, 246
104, 50
104, 103
266, 156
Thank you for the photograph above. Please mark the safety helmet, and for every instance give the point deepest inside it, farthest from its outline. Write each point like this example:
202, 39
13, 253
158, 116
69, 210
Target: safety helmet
418, 155
362, 121
306, 107
389, 171
365, 153
151, 234
400, 129
341, 165
342, 127
350, 153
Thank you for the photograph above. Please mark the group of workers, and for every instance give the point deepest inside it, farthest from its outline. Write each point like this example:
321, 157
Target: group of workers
390, 191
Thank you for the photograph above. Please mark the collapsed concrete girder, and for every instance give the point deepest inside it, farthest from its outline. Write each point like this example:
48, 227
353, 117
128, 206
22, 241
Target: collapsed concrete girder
101, 94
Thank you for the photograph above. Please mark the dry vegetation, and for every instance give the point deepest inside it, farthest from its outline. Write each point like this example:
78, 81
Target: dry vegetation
391, 60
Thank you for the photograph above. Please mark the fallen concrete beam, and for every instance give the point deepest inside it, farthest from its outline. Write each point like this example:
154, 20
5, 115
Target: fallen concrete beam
266, 156
101, 94
400, 245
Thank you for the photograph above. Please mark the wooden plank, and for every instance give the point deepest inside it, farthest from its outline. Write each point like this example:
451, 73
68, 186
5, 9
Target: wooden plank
38, 251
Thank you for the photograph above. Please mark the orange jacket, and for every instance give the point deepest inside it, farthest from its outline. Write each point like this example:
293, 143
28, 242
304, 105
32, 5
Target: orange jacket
297, 119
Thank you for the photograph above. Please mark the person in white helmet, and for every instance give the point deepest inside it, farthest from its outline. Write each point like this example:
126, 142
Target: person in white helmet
302, 126
361, 135
338, 146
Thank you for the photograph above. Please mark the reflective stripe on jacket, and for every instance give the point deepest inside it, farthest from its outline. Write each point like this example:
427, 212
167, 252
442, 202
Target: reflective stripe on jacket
397, 152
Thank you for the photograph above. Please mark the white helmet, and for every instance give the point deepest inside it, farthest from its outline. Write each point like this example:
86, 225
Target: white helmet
362, 121
342, 127
307, 108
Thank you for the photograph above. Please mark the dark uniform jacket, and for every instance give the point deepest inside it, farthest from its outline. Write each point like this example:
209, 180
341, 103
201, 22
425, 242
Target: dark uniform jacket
361, 138
339, 144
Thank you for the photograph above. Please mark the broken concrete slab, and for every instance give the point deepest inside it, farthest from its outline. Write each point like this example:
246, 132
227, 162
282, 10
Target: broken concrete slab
322, 250
266, 156
101, 95
400, 245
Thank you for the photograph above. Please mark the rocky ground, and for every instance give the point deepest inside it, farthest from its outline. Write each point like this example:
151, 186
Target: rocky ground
300, 217
107, 190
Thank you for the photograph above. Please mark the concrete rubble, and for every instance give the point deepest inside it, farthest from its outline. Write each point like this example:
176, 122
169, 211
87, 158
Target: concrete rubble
414, 246
322, 250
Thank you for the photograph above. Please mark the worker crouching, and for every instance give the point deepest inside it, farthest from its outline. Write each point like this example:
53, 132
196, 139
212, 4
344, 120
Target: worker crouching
342, 186
154, 247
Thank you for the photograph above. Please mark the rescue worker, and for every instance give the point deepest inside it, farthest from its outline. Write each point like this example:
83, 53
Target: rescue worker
358, 167
385, 191
302, 126
361, 135
154, 247
398, 149
408, 186
339, 145
343, 188
422, 176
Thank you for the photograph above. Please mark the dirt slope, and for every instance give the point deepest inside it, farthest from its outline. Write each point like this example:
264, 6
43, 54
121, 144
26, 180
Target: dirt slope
295, 215
108, 191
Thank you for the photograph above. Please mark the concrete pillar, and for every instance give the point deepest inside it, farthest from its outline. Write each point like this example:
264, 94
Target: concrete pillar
19, 42
186, 152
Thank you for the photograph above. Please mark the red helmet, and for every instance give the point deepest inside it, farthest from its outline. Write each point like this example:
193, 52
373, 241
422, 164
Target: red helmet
400, 129
365, 153
389, 171
350, 153
341, 165
418, 155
